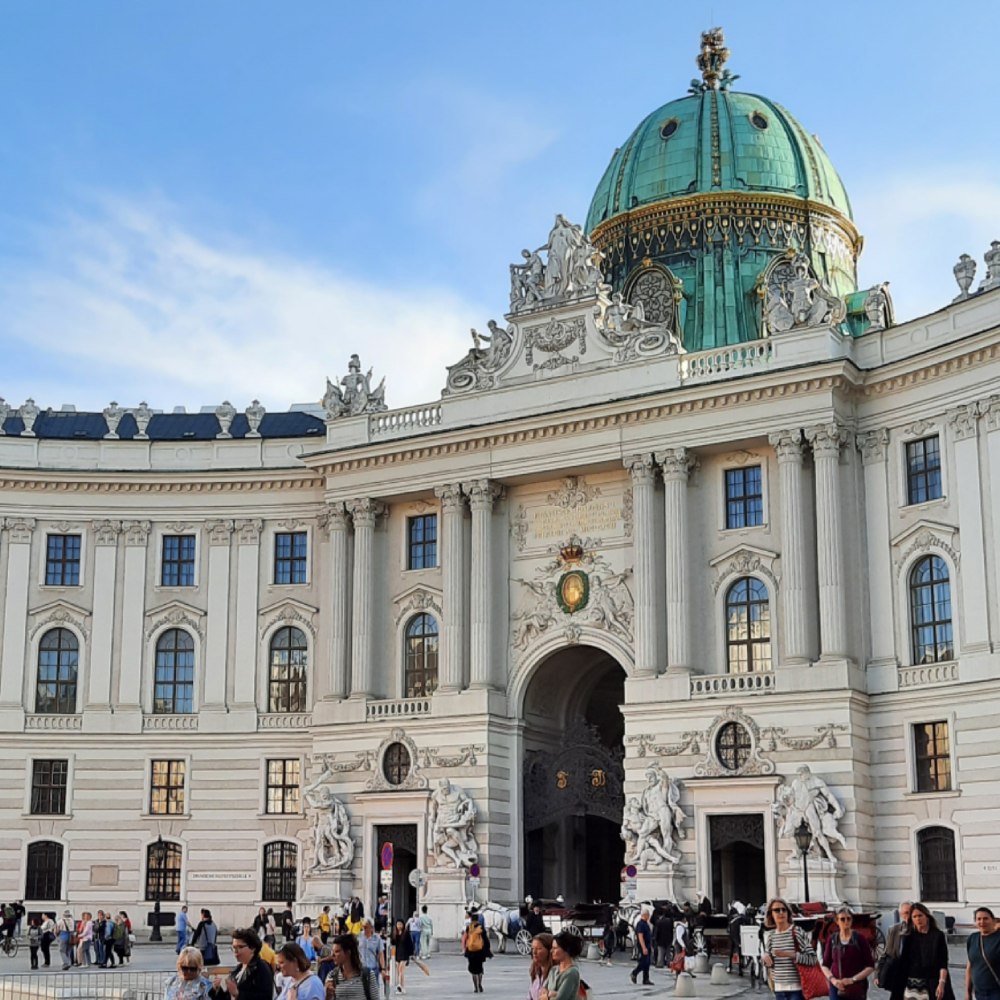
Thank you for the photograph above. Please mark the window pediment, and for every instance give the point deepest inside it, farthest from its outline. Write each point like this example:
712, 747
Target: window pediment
923, 537
744, 560
56, 614
177, 614
287, 612
417, 598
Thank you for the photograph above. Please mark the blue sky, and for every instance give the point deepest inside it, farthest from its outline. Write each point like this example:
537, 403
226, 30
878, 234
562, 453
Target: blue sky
208, 199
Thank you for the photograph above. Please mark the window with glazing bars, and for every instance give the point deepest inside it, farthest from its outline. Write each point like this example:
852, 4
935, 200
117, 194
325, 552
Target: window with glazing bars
177, 568
421, 541
62, 561
744, 497
166, 788
923, 470
48, 787
283, 786
290, 557
932, 756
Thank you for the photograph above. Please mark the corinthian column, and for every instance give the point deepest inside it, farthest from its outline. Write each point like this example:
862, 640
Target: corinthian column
453, 572
337, 523
677, 465
482, 495
643, 470
789, 448
826, 441
364, 512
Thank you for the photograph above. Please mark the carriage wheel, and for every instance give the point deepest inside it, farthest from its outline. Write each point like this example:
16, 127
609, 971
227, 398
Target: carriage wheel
523, 942
573, 929
879, 943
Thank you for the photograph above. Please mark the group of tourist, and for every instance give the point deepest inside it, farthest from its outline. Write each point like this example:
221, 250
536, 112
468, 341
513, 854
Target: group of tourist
90, 941
913, 967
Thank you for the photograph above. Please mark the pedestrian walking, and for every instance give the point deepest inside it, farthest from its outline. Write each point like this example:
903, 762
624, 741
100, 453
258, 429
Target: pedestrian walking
644, 946
541, 964
305, 940
288, 923
189, 982
889, 972
67, 938
122, 940
426, 932
251, 978
663, 938
476, 948
564, 981
785, 948
324, 924
48, 929
182, 929
298, 982
85, 939
847, 959
413, 926
34, 940
983, 949
371, 950
205, 938
925, 958
350, 979
609, 941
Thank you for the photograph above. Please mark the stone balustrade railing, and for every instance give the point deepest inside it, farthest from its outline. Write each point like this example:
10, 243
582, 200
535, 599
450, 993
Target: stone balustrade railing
728, 361
284, 720
169, 723
713, 684
398, 708
925, 674
54, 722
412, 420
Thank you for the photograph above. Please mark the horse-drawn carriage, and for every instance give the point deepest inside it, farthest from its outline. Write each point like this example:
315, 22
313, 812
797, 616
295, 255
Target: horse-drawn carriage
509, 923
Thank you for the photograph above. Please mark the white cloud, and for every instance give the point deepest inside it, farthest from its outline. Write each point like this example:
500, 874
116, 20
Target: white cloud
917, 224
132, 304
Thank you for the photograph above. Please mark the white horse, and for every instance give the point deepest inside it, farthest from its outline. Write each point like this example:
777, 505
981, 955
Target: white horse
504, 922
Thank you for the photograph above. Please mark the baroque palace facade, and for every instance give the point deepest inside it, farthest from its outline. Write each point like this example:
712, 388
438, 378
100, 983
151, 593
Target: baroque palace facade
699, 547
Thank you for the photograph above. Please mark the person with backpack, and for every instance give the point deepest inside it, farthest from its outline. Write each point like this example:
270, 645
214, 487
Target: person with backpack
847, 959
66, 929
476, 948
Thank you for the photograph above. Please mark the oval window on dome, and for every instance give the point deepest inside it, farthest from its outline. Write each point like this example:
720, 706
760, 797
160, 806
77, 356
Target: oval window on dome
668, 128
758, 120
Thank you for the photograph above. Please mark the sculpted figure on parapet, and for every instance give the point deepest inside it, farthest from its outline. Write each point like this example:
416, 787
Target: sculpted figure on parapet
354, 394
808, 798
333, 846
652, 822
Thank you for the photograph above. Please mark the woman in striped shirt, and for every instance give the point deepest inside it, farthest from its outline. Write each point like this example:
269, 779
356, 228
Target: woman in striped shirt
785, 947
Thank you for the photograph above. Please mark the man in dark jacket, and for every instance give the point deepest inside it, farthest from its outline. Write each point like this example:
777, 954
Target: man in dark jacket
644, 944
663, 935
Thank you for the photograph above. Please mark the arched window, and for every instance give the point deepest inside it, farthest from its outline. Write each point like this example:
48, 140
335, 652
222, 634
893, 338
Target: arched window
748, 627
280, 871
936, 853
930, 611
421, 656
173, 693
289, 656
58, 658
43, 880
163, 872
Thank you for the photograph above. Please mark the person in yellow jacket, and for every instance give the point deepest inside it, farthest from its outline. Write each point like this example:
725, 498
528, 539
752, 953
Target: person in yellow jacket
324, 924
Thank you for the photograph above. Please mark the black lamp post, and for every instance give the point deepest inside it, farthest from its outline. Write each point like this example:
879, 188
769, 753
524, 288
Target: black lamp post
159, 853
803, 841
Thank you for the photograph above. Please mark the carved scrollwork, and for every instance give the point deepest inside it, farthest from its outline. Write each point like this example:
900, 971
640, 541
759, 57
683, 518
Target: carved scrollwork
178, 616
413, 779
553, 338
792, 296
363, 760
746, 562
416, 601
748, 761
59, 614
574, 492
690, 742
429, 756
287, 613
776, 738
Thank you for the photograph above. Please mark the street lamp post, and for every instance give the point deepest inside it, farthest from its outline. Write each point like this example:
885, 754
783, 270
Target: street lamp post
160, 857
803, 841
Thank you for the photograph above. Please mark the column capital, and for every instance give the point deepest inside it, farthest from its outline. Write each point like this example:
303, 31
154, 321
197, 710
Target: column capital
677, 463
219, 532
483, 493
451, 497
136, 532
248, 530
827, 439
872, 445
334, 516
788, 444
641, 467
964, 420
106, 532
365, 511
20, 528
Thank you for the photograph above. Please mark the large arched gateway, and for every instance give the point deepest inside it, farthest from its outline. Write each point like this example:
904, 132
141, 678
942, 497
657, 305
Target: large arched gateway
573, 776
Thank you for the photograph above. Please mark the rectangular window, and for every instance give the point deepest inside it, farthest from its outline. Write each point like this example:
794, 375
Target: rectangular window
62, 561
421, 541
282, 786
932, 754
166, 788
178, 561
923, 470
744, 497
48, 787
290, 549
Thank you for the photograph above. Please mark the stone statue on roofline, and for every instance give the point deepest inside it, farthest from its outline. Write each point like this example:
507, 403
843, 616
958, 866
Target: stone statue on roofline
794, 298
354, 394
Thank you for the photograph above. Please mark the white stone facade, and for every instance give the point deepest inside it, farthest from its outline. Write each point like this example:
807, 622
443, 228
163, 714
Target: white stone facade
624, 461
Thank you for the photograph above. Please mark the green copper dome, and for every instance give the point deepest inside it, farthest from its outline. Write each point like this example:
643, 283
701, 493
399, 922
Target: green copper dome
705, 196
716, 141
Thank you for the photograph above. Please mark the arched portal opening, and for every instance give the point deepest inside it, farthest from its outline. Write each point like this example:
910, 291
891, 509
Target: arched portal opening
573, 777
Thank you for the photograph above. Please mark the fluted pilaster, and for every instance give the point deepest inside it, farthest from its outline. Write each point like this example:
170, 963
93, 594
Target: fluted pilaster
642, 469
364, 512
338, 525
452, 673
676, 464
482, 494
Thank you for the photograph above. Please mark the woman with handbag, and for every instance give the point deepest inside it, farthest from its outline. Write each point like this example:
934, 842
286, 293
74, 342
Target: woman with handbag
847, 959
925, 958
205, 936
982, 971
786, 950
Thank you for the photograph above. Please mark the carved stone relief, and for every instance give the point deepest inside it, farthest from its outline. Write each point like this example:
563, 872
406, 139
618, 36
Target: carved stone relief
413, 779
793, 297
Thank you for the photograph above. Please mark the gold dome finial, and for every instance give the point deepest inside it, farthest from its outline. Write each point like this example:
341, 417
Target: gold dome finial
710, 61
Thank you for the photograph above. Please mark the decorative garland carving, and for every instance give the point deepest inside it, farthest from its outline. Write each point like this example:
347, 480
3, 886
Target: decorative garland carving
363, 760
519, 527
429, 756
288, 613
178, 616
574, 492
928, 537
419, 600
744, 562
58, 614
690, 743
776, 738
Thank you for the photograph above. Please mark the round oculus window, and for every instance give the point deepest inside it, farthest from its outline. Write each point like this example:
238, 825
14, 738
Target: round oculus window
733, 746
758, 120
396, 764
669, 127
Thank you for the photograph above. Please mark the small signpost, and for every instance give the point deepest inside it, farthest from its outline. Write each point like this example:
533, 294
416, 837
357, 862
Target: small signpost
629, 882
385, 856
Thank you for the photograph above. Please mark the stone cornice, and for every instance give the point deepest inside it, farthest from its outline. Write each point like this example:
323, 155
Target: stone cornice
51, 482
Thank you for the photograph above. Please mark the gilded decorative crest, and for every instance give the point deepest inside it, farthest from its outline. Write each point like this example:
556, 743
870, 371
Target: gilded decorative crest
573, 591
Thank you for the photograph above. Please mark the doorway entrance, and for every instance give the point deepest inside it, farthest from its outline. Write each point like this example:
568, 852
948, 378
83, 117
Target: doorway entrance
573, 777
402, 895
737, 856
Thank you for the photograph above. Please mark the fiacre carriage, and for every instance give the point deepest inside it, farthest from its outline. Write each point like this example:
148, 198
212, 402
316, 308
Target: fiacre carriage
509, 923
